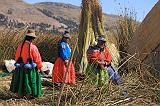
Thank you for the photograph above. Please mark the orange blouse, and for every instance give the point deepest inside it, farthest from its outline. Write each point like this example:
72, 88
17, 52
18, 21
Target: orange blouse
34, 54
95, 54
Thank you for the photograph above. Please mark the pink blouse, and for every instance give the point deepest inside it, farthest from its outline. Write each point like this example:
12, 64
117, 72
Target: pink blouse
34, 54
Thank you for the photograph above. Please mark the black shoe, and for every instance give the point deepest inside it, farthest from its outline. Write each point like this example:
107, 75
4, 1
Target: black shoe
57, 86
118, 82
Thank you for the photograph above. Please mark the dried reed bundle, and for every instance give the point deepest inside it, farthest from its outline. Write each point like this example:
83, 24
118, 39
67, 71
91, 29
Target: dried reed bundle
91, 26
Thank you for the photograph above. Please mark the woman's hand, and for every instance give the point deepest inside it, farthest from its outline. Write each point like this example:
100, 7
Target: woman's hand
101, 62
66, 62
102, 67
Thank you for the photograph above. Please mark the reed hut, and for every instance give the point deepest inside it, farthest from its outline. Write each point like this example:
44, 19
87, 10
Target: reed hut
146, 41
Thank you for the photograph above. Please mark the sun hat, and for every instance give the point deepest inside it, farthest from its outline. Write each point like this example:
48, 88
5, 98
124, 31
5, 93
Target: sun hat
31, 33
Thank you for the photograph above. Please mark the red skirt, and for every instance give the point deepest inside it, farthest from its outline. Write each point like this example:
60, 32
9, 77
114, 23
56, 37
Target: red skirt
59, 71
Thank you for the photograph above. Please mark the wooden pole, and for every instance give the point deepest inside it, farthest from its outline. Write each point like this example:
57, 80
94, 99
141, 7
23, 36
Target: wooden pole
63, 84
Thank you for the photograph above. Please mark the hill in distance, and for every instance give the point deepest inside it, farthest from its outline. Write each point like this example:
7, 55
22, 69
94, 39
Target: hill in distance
44, 16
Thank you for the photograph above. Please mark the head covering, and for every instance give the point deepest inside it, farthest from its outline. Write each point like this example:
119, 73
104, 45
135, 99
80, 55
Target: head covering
31, 33
102, 39
66, 35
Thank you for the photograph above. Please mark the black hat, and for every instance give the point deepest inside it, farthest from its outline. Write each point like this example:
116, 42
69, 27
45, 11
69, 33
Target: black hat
66, 34
102, 39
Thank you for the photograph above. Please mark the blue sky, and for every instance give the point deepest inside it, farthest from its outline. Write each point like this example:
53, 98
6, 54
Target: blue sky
141, 7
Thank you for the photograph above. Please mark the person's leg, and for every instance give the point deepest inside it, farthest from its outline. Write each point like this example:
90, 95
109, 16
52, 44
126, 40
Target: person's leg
110, 72
116, 75
113, 74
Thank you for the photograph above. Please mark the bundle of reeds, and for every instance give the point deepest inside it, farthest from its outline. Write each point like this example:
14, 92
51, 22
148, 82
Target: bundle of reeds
91, 26
126, 27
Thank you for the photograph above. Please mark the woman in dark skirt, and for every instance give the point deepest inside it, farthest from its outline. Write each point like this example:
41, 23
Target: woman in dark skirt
26, 80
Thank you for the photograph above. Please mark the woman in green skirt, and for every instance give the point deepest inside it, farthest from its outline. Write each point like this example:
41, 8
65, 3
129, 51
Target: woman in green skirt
26, 80
98, 58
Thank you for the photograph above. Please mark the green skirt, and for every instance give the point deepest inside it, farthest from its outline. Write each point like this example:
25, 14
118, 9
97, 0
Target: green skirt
97, 76
26, 82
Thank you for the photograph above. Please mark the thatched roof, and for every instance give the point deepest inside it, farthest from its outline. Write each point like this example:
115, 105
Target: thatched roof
147, 36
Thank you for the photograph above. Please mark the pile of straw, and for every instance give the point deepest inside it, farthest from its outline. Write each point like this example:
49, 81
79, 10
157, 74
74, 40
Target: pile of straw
91, 26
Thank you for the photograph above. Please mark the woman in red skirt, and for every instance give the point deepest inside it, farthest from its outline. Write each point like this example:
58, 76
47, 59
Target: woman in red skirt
60, 66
